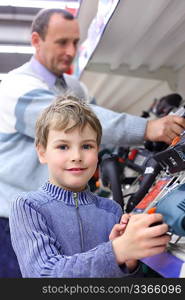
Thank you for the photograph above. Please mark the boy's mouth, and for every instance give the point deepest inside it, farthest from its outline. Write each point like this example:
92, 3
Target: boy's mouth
76, 169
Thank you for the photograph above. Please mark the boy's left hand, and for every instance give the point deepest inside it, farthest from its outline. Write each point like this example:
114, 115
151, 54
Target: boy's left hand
118, 229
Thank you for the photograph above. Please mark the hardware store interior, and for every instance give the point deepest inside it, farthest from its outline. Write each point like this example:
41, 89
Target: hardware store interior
129, 61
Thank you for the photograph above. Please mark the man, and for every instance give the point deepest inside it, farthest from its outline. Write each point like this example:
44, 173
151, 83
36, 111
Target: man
26, 91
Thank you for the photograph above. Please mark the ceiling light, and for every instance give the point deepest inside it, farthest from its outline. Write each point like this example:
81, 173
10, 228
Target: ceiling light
41, 4
2, 75
16, 49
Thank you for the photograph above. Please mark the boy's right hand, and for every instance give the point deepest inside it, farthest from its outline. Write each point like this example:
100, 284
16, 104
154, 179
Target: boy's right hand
140, 239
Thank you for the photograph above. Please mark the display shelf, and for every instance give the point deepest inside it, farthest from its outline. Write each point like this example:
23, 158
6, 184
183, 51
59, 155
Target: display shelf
149, 45
166, 264
139, 57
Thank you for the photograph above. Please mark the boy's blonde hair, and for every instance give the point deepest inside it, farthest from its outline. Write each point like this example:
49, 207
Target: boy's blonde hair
58, 115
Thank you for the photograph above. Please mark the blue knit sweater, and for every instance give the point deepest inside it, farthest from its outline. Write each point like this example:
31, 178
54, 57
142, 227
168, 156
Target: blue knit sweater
59, 233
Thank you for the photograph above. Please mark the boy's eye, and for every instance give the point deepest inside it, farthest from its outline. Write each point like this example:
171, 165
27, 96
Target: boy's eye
87, 146
63, 147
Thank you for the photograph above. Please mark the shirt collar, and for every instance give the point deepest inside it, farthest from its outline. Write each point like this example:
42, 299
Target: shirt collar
69, 197
43, 72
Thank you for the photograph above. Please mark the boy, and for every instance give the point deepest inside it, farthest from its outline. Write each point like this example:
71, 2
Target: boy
62, 230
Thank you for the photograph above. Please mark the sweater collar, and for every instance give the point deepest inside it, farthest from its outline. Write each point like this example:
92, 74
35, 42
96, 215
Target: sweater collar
67, 196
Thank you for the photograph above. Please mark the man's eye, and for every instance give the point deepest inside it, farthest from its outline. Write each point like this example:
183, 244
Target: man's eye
76, 43
62, 42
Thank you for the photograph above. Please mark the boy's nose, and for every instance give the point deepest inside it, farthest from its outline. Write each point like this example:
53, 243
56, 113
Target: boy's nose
76, 159
76, 156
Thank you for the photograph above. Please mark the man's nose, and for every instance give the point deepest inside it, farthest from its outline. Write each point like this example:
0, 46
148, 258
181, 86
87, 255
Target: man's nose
71, 50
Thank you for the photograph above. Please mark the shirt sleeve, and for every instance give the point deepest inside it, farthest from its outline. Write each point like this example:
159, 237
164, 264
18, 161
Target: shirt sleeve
24, 103
120, 129
40, 255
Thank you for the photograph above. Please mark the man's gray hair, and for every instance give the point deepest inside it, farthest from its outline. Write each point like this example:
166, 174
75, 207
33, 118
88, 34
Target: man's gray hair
41, 20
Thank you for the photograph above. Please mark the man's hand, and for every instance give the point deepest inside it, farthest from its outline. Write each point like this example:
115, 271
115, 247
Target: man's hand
164, 129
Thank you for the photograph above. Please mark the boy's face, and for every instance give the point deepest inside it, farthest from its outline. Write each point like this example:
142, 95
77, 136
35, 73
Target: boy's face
71, 157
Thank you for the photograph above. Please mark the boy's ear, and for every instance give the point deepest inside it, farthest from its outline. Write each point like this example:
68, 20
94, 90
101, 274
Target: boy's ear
41, 152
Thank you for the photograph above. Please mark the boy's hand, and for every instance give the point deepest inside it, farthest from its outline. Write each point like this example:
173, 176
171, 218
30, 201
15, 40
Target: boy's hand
119, 229
140, 239
116, 231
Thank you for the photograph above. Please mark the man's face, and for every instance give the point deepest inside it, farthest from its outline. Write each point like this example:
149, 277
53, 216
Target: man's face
71, 157
57, 51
